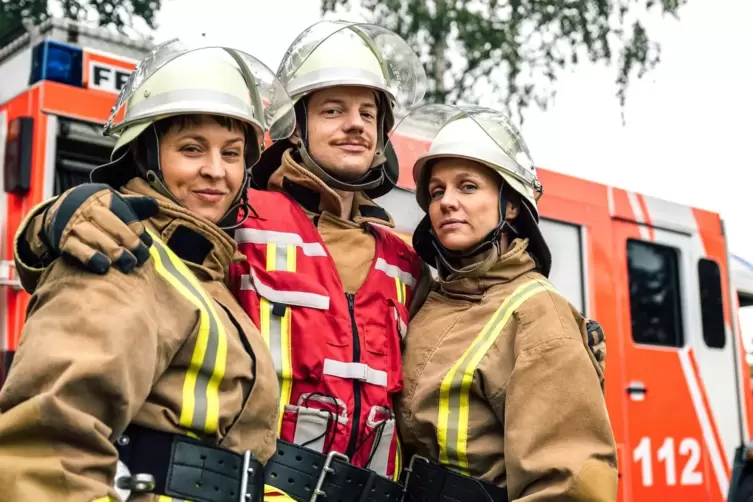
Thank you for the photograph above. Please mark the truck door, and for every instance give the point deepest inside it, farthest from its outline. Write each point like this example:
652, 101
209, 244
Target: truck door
673, 443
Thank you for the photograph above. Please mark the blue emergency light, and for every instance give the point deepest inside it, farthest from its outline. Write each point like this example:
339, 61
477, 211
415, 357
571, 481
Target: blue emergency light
57, 62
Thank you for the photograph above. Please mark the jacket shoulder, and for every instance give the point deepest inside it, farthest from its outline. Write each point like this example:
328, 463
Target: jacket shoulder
542, 314
157, 290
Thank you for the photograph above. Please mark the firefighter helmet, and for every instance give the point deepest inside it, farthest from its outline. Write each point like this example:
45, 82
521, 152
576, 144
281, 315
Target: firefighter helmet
485, 136
340, 53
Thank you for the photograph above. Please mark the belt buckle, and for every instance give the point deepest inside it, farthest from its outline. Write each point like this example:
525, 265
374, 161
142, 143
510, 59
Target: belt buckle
326, 469
409, 470
127, 483
247, 469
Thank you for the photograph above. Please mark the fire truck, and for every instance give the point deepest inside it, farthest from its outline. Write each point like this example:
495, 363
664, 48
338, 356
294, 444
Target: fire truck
655, 274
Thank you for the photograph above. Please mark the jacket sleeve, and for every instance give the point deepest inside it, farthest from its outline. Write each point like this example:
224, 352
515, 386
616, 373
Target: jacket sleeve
559, 444
88, 357
28, 247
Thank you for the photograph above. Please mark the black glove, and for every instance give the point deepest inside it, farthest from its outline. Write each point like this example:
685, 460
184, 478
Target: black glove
96, 227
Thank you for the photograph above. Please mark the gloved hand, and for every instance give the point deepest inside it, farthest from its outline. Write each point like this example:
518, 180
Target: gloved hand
597, 343
96, 227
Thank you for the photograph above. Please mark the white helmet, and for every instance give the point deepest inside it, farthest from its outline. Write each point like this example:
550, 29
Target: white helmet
340, 53
485, 136
194, 77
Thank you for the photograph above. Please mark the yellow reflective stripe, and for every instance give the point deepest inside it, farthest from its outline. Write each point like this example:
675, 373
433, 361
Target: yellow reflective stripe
454, 394
276, 331
400, 287
264, 307
398, 459
105, 499
286, 380
200, 408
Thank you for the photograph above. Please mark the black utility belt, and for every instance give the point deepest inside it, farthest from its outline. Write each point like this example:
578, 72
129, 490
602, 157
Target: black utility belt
179, 466
169, 464
428, 482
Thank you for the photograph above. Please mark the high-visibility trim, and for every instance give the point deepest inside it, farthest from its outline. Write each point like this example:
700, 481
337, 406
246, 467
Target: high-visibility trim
355, 371
106, 499
255, 236
400, 287
398, 459
299, 298
276, 330
200, 408
454, 394
395, 272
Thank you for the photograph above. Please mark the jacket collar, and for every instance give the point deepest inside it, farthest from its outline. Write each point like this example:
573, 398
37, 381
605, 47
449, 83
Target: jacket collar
202, 244
474, 280
317, 198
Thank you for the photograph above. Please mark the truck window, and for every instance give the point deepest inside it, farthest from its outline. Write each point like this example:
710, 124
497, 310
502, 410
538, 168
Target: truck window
654, 287
712, 308
566, 243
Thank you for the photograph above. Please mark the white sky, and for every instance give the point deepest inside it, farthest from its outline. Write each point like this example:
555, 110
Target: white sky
687, 121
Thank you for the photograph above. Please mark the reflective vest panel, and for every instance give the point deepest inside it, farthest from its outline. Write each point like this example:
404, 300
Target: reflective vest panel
337, 355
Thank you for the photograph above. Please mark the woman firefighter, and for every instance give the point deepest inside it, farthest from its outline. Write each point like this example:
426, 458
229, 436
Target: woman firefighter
155, 384
502, 396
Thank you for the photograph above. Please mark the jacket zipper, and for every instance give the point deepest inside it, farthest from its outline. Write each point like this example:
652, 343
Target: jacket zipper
356, 383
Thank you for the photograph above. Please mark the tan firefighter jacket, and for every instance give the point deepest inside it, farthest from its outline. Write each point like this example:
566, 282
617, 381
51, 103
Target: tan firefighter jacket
160, 347
500, 385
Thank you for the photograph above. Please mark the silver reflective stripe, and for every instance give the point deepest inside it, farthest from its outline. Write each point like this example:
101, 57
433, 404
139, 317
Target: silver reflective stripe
275, 322
223, 102
494, 156
395, 272
254, 236
355, 371
336, 77
298, 298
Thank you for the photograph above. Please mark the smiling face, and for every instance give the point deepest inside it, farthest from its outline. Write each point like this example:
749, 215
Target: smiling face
342, 130
202, 162
464, 202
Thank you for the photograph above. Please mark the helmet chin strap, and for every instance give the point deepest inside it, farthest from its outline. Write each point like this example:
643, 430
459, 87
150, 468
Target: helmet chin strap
374, 176
149, 142
445, 256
